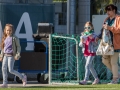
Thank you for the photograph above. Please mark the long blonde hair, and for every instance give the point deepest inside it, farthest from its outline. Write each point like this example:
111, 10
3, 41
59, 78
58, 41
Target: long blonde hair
5, 35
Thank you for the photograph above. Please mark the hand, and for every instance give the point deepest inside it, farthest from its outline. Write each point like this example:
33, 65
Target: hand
96, 39
82, 40
105, 26
0, 59
15, 58
91, 36
82, 33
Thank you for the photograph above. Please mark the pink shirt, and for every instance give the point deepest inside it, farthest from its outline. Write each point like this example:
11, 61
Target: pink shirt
86, 52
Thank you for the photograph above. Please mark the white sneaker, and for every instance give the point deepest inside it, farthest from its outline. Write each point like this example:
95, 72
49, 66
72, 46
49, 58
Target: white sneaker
96, 81
4, 86
24, 80
114, 81
82, 83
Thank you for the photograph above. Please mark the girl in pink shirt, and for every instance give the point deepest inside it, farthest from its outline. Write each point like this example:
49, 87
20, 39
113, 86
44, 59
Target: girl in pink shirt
88, 45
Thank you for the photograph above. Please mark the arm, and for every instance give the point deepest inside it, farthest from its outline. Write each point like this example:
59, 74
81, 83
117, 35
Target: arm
100, 35
1, 54
18, 48
94, 42
81, 42
115, 29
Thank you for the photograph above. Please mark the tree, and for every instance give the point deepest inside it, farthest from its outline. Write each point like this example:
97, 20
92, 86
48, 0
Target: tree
98, 6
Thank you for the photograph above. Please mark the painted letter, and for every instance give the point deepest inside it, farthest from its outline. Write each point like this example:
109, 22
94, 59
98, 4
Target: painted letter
25, 19
1, 33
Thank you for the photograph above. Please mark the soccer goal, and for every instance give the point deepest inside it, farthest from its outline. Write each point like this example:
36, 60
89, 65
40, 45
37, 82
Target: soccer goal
63, 59
67, 62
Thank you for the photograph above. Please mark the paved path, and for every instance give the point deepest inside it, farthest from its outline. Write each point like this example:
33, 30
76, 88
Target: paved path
29, 84
32, 84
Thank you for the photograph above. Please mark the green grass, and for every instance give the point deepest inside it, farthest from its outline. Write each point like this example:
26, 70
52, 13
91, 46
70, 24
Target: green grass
70, 87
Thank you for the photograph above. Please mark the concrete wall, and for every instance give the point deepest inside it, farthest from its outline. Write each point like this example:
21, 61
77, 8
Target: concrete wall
83, 14
8, 1
83, 17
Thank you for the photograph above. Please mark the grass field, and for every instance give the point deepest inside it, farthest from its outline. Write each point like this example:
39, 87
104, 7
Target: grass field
70, 87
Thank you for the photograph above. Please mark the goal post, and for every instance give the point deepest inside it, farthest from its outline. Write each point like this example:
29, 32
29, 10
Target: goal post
63, 59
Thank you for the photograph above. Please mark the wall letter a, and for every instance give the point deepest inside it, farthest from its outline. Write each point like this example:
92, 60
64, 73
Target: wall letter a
28, 28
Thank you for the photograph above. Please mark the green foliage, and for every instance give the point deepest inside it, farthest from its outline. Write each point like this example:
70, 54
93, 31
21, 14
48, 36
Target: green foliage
98, 6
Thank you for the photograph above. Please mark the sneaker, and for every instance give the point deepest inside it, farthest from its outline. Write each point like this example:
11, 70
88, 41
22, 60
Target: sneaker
83, 83
96, 81
4, 86
24, 80
114, 82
